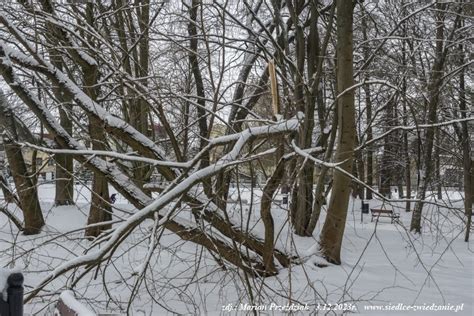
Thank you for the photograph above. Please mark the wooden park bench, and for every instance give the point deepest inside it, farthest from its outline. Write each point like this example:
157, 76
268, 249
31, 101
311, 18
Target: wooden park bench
384, 213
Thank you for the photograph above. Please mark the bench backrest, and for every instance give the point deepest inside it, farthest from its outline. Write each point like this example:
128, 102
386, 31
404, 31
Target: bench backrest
381, 211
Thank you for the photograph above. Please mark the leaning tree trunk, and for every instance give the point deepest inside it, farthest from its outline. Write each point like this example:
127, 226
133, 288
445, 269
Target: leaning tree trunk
26, 190
25, 187
333, 229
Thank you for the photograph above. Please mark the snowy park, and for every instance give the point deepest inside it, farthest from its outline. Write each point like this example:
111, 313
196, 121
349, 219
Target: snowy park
383, 264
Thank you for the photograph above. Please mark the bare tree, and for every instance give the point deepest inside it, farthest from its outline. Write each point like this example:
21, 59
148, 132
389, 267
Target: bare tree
433, 88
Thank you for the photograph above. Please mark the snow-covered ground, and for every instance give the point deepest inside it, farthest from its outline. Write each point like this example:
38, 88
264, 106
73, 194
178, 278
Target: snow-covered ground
383, 264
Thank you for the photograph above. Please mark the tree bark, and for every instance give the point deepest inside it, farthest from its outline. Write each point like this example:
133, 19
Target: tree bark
406, 145
64, 180
468, 170
25, 187
139, 108
301, 209
26, 190
8, 195
100, 209
386, 163
438, 181
406, 155
201, 108
368, 108
433, 90
64, 169
266, 214
333, 229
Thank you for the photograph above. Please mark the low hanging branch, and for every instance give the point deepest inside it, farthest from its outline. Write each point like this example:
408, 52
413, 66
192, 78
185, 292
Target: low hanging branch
134, 194
247, 259
248, 264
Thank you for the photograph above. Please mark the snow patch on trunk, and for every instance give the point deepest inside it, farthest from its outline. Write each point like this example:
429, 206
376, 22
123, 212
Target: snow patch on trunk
67, 297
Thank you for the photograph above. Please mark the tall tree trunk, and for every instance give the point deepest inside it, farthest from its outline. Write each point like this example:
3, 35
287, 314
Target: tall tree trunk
368, 107
469, 199
201, 108
405, 147
468, 163
433, 90
139, 109
64, 168
396, 164
100, 209
321, 193
305, 101
406, 155
270, 187
64, 180
437, 170
359, 172
386, 163
333, 229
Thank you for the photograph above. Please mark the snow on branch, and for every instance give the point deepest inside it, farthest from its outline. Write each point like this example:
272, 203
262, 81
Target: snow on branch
112, 123
69, 305
414, 127
164, 199
105, 153
62, 137
337, 167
